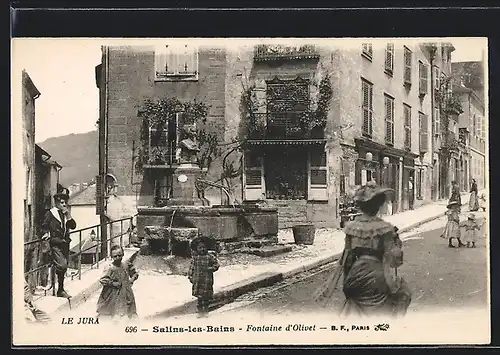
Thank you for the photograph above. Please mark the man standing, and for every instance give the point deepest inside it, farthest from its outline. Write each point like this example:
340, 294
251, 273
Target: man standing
411, 193
55, 229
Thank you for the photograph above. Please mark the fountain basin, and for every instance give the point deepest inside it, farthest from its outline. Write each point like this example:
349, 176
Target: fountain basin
220, 222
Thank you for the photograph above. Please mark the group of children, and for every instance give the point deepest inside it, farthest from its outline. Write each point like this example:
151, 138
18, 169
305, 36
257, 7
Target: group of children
454, 226
117, 300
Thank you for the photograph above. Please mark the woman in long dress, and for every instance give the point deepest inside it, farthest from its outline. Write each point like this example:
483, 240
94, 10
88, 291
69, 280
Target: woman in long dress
372, 254
473, 200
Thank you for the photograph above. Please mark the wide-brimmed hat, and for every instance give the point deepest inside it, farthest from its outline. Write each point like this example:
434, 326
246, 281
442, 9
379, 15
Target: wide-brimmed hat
209, 242
452, 204
471, 216
369, 191
61, 196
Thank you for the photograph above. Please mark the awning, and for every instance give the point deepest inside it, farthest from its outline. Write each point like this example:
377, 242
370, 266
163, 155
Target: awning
286, 142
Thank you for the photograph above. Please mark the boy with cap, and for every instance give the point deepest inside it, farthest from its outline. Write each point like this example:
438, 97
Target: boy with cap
55, 228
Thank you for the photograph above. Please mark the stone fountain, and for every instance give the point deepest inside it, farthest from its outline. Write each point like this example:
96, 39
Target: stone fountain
187, 216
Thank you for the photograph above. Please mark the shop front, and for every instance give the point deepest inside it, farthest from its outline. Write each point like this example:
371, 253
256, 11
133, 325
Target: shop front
388, 167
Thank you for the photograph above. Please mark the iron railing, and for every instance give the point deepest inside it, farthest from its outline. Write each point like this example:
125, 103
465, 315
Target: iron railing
36, 276
283, 125
265, 52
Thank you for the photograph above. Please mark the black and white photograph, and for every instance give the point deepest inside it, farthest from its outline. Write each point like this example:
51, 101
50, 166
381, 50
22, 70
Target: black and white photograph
250, 191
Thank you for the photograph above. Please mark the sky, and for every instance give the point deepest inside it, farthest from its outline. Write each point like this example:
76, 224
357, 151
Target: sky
63, 70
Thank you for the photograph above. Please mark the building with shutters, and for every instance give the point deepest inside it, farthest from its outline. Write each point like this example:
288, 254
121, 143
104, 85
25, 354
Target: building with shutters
377, 124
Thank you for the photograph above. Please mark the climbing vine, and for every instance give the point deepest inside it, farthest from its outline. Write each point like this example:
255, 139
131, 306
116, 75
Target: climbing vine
287, 98
156, 115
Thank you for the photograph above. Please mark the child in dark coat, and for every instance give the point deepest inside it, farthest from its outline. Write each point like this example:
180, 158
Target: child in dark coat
117, 298
201, 273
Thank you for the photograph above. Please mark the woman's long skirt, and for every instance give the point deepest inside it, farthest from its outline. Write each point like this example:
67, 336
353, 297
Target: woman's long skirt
473, 202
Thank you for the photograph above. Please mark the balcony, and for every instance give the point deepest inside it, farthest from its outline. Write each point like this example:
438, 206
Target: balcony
283, 126
449, 141
265, 52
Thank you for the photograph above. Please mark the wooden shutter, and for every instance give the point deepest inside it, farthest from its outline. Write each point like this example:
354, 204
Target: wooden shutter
407, 123
389, 119
367, 91
424, 133
389, 58
318, 175
253, 178
437, 126
423, 83
408, 63
483, 130
367, 50
436, 78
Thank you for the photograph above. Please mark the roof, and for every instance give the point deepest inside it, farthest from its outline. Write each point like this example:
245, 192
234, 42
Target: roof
89, 246
28, 83
464, 89
84, 197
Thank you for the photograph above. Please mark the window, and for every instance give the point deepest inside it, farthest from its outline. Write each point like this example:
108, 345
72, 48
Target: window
367, 107
318, 175
437, 127
474, 124
367, 51
407, 125
483, 130
424, 132
422, 71
176, 62
253, 176
408, 62
479, 122
389, 120
287, 100
389, 59
437, 75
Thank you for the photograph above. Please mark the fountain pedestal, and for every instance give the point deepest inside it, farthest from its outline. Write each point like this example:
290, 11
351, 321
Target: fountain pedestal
184, 191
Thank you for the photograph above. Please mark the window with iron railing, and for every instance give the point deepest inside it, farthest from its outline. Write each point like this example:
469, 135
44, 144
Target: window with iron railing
367, 107
287, 106
176, 62
266, 52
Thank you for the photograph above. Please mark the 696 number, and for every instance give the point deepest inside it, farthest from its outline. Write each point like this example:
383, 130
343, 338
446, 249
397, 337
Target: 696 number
130, 329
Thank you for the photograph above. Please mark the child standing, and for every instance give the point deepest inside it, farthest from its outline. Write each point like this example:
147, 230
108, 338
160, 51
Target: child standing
201, 272
117, 298
471, 227
452, 229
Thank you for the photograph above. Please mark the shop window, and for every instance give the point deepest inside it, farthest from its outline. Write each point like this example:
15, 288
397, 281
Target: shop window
253, 176
318, 175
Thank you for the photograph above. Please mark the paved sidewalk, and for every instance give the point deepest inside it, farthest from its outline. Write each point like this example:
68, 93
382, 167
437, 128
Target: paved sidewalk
160, 295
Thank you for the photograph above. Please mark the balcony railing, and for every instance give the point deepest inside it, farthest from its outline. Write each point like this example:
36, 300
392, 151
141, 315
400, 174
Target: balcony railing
265, 52
283, 126
118, 232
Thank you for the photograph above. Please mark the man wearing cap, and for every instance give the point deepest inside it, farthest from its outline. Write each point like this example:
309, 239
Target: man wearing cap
55, 228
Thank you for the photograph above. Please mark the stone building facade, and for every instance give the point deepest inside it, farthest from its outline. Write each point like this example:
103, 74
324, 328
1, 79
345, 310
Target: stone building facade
377, 125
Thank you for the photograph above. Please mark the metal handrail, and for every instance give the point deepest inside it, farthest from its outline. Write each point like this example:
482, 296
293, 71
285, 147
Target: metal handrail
220, 186
78, 254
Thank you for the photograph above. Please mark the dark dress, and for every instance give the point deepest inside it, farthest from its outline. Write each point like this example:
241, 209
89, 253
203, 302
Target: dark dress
59, 240
455, 196
371, 285
473, 200
117, 297
201, 275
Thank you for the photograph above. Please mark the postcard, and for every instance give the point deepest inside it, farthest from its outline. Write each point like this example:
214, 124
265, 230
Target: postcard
250, 191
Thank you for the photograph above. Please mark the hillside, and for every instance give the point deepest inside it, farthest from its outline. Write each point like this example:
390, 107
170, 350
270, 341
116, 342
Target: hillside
78, 154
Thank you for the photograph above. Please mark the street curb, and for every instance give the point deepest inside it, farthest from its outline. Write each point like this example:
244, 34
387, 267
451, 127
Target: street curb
82, 295
270, 278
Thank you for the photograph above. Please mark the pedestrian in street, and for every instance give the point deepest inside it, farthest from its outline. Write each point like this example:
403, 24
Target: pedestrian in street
201, 272
452, 228
455, 194
482, 202
471, 227
55, 228
473, 199
372, 254
411, 193
117, 298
